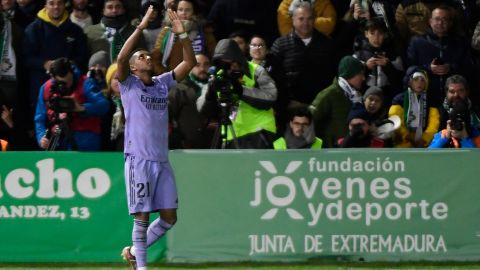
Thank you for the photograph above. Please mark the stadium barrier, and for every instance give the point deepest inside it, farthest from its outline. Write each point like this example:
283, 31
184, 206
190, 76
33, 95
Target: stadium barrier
347, 205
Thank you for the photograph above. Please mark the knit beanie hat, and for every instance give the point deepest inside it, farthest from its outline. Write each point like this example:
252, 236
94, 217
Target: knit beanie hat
349, 66
358, 111
101, 58
373, 91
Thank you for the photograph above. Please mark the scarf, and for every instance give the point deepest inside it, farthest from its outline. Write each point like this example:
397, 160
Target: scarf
197, 37
349, 91
299, 142
415, 112
115, 22
199, 83
115, 39
118, 119
8, 60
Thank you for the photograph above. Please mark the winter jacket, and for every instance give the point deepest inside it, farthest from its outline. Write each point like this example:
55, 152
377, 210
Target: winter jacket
440, 140
303, 69
330, 110
44, 41
85, 126
453, 50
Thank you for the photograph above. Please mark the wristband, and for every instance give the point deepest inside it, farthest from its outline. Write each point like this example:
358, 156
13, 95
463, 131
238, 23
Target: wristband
183, 35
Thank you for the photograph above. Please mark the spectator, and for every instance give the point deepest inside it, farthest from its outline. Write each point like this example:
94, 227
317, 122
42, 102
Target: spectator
457, 89
52, 35
250, 16
441, 52
80, 14
97, 67
360, 131
373, 101
260, 54
241, 39
300, 133
362, 11
459, 133
79, 122
420, 120
168, 50
303, 61
190, 128
412, 16
332, 105
110, 34
384, 66
22, 12
324, 14
254, 123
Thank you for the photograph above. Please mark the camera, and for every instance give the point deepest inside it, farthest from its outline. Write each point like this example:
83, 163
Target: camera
357, 130
456, 122
225, 85
57, 100
96, 74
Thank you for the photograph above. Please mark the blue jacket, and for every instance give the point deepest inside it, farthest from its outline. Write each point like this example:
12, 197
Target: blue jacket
440, 140
95, 106
45, 41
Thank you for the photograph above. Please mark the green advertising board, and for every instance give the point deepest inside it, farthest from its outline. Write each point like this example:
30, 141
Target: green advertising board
370, 205
64, 207
347, 205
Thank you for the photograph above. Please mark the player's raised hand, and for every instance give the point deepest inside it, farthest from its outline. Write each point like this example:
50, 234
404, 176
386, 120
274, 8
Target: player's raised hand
177, 25
146, 19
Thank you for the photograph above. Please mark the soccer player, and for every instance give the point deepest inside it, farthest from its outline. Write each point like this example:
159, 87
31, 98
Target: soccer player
149, 179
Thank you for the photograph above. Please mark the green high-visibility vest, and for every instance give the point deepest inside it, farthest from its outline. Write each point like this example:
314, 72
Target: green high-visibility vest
250, 119
281, 144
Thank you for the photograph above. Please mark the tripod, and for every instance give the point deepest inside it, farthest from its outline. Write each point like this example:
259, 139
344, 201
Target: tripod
224, 126
60, 133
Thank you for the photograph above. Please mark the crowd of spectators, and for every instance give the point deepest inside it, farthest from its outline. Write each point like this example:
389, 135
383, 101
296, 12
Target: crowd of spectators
311, 73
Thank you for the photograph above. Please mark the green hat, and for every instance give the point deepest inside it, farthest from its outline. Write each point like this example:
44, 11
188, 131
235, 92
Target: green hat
349, 66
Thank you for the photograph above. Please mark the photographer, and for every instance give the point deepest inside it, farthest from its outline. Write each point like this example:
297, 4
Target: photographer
249, 93
459, 132
360, 131
69, 107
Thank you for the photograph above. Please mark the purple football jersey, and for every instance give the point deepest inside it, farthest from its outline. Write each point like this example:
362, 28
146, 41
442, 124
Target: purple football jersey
146, 115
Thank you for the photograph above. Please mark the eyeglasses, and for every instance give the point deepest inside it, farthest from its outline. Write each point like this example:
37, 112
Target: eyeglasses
257, 46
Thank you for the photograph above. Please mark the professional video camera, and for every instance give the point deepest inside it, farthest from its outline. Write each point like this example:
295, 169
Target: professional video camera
459, 116
227, 90
227, 86
57, 100
456, 122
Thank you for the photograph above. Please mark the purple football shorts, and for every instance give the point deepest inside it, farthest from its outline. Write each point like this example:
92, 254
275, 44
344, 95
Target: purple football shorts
150, 185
